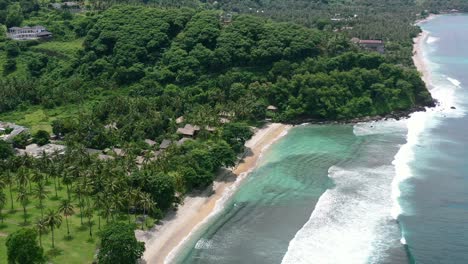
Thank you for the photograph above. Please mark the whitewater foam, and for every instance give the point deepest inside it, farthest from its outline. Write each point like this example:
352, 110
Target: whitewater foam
455, 82
431, 40
379, 127
347, 225
421, 122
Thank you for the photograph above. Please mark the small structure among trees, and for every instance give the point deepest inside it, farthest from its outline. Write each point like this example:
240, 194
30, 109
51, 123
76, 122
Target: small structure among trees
225, 19
377, 45
9, 130
28, 33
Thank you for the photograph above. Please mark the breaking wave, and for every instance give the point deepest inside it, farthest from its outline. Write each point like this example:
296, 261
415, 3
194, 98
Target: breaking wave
350, 223
431, 40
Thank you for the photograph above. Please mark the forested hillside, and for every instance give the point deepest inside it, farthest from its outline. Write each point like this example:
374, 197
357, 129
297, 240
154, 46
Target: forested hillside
118, 83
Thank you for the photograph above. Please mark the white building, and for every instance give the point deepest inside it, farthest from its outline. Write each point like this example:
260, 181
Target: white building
28, 33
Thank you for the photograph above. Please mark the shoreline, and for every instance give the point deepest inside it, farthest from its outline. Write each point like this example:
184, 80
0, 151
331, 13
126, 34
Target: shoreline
164, 240
418, 57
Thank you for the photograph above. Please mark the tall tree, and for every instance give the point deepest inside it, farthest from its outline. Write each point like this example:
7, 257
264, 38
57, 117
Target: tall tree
3, 201
53, 220
66, 208
148, 205
23, 198
41, 228
89, 215
40, 193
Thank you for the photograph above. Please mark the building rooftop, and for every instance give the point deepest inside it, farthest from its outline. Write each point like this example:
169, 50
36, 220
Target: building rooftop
272, 108
165, 144
180, 120
150, 142
36, 151
188, 130
370, 41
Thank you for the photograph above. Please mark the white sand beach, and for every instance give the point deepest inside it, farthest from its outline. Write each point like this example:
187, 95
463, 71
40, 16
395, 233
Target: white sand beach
161, 240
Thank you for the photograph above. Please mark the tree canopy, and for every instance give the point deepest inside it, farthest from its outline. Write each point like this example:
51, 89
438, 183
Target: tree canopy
23, 248
119, 245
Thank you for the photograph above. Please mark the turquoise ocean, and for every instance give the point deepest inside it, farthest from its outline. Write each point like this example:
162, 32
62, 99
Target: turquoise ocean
381, 192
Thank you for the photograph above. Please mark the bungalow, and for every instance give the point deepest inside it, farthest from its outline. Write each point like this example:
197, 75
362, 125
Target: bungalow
105, 157
272, 108
180, 120
119, 152
28, 33
182, 141
188, 130
150, 142
165, 144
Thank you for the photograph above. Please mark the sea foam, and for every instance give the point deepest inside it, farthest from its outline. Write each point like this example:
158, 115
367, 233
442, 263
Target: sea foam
350, 221
431, 40
347, 227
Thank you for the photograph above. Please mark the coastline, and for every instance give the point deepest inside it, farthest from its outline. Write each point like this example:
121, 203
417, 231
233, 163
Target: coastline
162, 241
419, 60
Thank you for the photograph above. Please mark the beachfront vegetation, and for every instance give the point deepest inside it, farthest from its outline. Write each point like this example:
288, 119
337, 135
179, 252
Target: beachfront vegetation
119, 245
118, 75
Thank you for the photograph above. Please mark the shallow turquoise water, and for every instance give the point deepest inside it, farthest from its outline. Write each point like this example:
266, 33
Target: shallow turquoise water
384, 192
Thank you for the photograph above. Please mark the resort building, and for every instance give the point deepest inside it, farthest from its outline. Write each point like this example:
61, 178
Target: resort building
371, 44
28, 33
188, 130
9, 130
37, 151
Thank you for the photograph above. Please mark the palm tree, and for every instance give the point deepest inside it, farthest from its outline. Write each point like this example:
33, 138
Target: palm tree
37, 176
99, 205
53, 173
3, 201
89, 215
40, 193
66, 208
148, 205
41, 227
107, 206
67, 180
22, 177
129, 199
81, 207
23, 198
9, 181
53, 220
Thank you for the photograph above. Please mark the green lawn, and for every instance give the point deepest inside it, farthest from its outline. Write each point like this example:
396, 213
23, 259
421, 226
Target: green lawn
38, 118
80, 248
60, 48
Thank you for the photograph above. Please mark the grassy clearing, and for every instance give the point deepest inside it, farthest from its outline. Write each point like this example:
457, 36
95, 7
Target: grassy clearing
78, 249
38, 118
60, 48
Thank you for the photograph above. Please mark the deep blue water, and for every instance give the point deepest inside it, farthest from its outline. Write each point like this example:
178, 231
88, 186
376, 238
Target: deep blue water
435, 225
